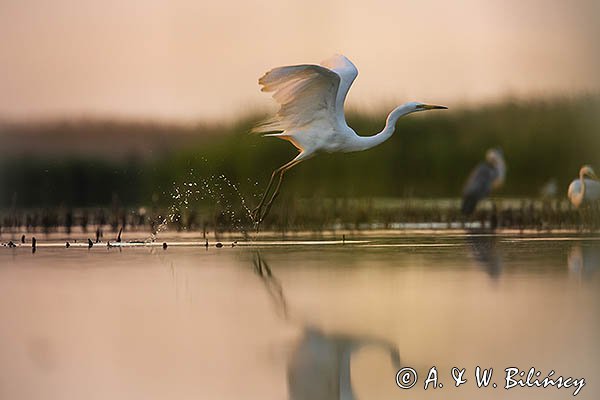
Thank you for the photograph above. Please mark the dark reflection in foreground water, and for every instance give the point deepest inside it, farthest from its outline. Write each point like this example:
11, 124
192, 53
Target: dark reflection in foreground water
485, 251
299, 321
584, 260
319, 366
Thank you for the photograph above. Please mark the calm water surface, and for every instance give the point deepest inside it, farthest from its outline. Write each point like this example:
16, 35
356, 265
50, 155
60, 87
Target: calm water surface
299, 321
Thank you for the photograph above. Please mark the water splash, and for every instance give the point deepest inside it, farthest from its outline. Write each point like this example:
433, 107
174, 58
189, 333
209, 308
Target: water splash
218, 191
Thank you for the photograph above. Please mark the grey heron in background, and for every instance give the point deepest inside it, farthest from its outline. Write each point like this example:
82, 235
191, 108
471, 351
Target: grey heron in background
487, 176
311, 115
584, 190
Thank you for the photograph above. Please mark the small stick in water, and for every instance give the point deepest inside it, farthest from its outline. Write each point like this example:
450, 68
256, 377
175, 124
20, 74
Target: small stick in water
67, 245
23, 239
90, 243
164, 245
219, 245
33, 243
119, 235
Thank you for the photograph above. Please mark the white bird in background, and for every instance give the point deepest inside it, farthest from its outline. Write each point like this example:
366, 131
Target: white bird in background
550, 189
484, 178
584, 190
311, 116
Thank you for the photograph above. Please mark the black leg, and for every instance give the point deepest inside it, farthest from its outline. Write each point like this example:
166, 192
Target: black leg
256, 213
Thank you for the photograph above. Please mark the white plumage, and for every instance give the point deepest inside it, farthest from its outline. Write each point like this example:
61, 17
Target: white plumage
584, 190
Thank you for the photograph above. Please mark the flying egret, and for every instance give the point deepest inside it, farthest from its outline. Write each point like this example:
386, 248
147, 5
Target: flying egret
311, 115
484, 178
584, 190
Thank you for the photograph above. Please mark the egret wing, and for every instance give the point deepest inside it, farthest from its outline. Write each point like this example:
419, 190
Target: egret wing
306, 94
347, 72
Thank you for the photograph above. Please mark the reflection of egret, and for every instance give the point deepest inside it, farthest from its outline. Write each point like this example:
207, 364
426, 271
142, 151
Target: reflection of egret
272, 284
485, 251
320, 365
311, 116
484, 178
584, 260
584, 190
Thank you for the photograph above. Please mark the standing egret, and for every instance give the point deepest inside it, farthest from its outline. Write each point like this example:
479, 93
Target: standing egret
311, 115
584, 190
484, 178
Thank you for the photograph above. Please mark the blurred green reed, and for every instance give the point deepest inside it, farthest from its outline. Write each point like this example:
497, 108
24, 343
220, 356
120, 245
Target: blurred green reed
429, 156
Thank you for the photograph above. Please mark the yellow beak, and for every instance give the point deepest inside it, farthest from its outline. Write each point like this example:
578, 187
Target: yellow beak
433, 107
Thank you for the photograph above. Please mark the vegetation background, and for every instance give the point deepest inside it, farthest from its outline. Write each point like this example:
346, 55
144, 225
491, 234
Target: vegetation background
96, 163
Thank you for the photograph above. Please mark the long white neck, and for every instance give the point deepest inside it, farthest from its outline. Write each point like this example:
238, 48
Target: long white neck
366, 142
579, 196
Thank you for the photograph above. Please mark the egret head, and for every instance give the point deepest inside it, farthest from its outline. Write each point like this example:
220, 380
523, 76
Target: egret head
587, 170
424, 107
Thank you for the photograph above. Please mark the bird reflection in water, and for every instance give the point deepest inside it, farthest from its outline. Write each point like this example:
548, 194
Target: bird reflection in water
272, 285
484, 249
319, 365
584, 259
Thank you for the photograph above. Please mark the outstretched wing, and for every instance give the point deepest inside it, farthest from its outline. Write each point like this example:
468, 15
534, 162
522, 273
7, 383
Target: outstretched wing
306, 93
347, 72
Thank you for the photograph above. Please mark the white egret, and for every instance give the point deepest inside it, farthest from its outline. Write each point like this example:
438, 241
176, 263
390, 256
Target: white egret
484, 178
584, 190
311, 114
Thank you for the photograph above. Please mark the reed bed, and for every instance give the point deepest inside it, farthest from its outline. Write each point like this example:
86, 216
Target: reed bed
316, 215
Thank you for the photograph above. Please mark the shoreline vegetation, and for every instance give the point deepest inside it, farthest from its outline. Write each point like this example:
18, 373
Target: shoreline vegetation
212, 174
317, 216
